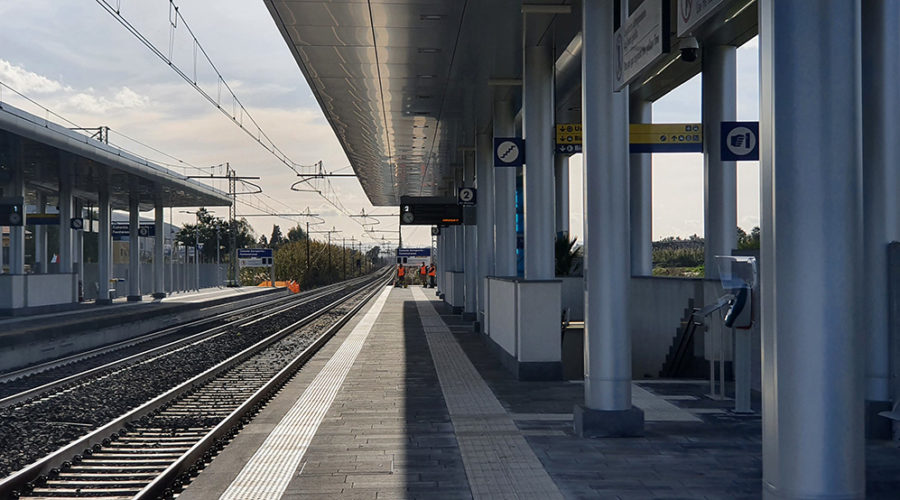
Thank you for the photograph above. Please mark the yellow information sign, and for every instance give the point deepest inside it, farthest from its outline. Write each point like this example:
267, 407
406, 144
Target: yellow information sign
666, 138
643, 137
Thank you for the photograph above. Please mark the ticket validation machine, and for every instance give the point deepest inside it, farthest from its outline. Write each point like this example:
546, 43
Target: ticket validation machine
738, 276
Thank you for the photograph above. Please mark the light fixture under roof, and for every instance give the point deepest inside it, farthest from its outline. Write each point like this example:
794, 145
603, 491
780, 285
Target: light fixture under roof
428, 50
425, 77
431, 17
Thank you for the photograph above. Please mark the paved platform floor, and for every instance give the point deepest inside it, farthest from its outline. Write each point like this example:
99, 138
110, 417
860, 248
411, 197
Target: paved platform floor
408, 402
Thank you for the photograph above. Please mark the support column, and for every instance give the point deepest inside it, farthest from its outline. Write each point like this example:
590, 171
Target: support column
719, 181
504, 191
159, 251
641, 198
471, 245
78, 251
104, 243
485, 182
65, 253
607, 381
881, 209
40, 238
17, 190
539, 183
561, 181
134, 248
811, 219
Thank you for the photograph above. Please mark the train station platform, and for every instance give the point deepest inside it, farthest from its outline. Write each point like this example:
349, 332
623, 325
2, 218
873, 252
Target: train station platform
28, 339
407, 401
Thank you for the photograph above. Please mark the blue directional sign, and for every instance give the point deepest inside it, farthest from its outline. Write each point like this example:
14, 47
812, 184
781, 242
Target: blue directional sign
509, 151
255, 257
413, 252
740, 141
145, 230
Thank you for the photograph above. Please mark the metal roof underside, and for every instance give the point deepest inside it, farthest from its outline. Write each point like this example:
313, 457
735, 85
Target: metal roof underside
405, 83
43, 148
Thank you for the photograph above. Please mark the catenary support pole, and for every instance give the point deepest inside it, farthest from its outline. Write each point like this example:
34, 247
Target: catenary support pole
810, 258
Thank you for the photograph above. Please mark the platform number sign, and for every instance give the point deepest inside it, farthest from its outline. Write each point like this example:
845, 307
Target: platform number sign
465, 196
509, 151
740, 141
12, 211
76, 223
435, 231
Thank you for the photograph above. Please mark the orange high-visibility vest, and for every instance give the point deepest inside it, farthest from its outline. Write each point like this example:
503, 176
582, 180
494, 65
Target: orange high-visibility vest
423, 270
432, 272
401, 271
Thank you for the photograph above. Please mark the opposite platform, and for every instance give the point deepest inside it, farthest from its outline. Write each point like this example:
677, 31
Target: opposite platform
407, 402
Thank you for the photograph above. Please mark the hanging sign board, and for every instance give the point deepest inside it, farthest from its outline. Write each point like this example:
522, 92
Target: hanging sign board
740, 141
12, 211
640, 41
465, 196
430, 211
145, 229
42, 219
691, 13
568, 138
509, 151
666, 138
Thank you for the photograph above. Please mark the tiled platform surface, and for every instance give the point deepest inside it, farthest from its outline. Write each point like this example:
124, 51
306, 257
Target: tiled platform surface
400, 428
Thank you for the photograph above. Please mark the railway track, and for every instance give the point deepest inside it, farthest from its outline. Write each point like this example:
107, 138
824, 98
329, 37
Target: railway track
158, 445
42, 376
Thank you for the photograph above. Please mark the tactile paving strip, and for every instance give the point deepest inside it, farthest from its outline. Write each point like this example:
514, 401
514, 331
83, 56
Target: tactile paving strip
268, 472
499, 462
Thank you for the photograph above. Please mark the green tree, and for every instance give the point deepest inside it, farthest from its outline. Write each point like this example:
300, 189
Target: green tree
210, 230
296, 233
566, 254
748, 241
277, 238
263, 242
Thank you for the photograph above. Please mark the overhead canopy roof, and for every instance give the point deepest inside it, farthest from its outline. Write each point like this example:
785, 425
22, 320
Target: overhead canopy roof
405, 83
42, 147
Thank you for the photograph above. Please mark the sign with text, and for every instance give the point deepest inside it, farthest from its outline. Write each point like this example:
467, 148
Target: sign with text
42, 219
665, 138
693, 12
145, 229
430, 211
640, 41
255, 257
568, 138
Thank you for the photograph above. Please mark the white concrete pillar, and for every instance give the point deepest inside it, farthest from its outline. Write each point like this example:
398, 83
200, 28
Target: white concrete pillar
66, 171
811, 220
134, 247
439, 262
641, 197
881, 207
159, 251
607, 382
561, 181
504, 191
78, 250
485, 215
17, 190
104, 242
719, 181
540, 221
41, 261
471, 245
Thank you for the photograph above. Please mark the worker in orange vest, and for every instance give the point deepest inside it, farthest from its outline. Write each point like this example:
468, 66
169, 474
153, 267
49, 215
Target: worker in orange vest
401, 274
432, 275
423, 274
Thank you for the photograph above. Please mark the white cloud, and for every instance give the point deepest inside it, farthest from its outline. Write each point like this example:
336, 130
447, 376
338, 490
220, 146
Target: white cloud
88, 102
27, 82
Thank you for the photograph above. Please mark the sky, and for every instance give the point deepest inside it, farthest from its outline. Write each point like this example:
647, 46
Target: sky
77, 60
